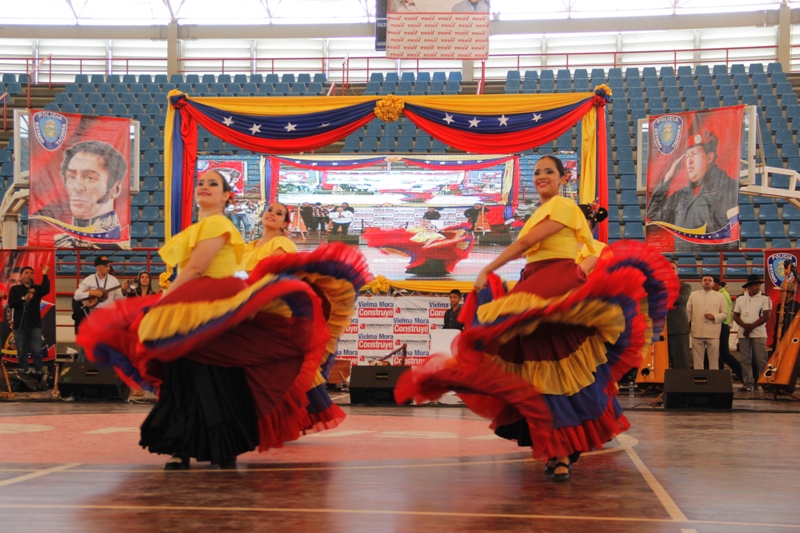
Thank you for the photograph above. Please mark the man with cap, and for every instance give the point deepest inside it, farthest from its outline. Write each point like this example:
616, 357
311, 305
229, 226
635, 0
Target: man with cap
707, 309
97, 290
705, 201
751, 313
725, 333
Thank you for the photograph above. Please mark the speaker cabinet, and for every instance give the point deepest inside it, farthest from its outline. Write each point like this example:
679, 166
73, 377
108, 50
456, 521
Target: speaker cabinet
87, 381
374, 384
698, 388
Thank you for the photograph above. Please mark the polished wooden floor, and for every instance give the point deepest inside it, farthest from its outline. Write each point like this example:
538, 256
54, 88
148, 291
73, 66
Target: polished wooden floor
77, 467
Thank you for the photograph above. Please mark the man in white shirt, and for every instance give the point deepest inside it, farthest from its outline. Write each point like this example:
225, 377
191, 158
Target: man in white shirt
707, 309
751, 312
471, 6
98, 290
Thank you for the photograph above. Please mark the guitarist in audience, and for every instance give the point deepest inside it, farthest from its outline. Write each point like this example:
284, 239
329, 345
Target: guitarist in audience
98, 290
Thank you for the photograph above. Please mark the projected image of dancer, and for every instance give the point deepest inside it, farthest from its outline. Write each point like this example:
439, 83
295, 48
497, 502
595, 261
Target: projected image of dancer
231, 359
542, 360
433, 253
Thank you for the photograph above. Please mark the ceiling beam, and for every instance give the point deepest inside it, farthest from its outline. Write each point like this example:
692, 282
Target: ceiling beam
318, 31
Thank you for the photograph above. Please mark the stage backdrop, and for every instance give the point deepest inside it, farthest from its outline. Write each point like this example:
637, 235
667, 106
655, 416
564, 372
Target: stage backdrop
504, 124
437, 29
383, 324
79, 181
692, 180
11, 263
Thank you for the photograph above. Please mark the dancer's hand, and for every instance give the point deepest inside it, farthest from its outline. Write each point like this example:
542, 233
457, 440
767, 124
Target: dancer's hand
480, 283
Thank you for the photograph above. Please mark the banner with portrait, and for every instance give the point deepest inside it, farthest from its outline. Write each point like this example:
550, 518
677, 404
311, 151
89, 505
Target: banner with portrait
438, 29
692, 180
79, 181
11, 264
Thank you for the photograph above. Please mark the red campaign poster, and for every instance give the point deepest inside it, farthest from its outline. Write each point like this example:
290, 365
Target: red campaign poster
692, 180
11, 265
774, 281
79, 181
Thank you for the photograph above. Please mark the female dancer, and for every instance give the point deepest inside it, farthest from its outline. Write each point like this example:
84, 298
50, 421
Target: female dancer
202, 344
143, 286
542, 361
275, 220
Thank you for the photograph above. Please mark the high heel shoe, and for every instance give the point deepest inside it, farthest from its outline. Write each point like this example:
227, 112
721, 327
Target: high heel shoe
563, 477
177, 463
550, 466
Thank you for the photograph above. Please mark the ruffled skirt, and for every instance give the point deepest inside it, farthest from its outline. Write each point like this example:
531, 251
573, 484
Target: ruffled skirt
273, 329
542, 361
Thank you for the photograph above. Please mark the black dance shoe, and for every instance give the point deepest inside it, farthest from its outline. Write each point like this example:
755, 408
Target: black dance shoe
550, 468
177, 463
563, 477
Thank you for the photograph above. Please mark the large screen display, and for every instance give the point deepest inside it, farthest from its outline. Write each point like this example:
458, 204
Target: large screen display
434, 218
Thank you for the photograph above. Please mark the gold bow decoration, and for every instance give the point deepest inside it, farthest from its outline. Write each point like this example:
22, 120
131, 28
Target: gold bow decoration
164, 279
380, 284
389, 108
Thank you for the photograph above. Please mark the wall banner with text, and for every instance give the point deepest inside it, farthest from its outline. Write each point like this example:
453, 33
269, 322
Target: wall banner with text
438, 29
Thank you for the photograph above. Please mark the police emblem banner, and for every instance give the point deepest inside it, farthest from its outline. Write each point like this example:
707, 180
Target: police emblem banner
79, 181
693, 180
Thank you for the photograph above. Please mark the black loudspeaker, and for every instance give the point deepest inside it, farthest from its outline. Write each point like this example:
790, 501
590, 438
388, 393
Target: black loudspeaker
374, 384
698, 388
87, 381
347, 239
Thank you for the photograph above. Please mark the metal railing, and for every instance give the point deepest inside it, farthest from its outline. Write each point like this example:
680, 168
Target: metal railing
355, 69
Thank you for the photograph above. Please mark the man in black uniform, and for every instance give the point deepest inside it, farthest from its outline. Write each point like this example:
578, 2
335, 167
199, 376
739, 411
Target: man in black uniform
25, 299
678, 327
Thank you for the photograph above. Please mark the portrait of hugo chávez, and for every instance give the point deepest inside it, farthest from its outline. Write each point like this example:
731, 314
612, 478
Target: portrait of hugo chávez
705, 200
93, 174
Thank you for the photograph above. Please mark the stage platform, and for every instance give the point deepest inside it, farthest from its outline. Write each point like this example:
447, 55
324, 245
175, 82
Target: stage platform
77, 466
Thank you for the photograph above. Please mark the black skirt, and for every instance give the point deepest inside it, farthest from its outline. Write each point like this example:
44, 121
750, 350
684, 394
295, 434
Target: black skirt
205, 412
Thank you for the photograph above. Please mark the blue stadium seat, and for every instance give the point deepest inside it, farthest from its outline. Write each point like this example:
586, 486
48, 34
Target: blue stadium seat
391, 77
150, 214
736, 267
710, 266
150, 184
158, 231
405, 144
320, 77
272, 78
370, 144
629, 198
376, 77
750, 230
768, 212
774, 230
631, 213
790, 213
747, 212
140, 200
140, 230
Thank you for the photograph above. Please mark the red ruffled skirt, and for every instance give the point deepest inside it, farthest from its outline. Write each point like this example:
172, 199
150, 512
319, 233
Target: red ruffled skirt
277, 327
542, 360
